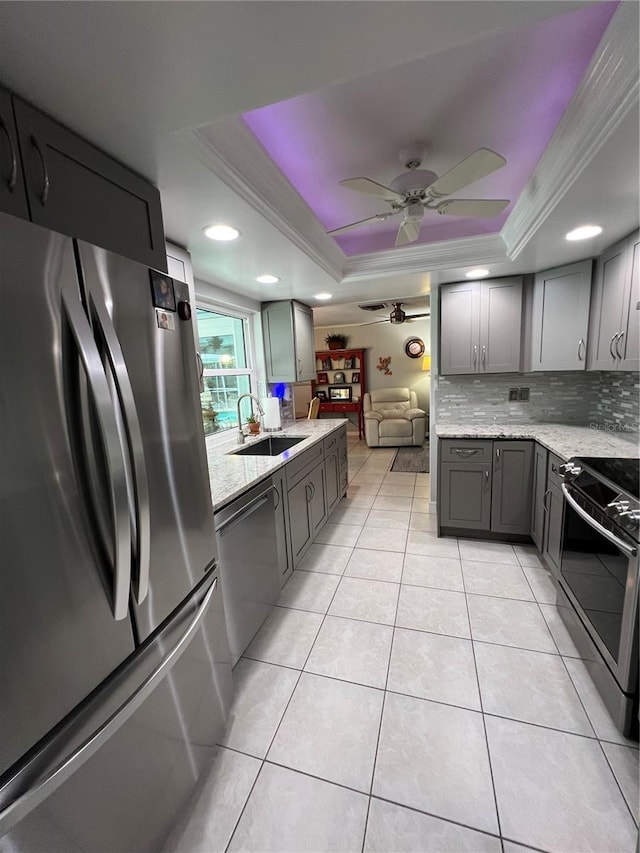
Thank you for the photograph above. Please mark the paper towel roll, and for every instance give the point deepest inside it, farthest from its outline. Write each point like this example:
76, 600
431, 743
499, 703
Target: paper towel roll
271, 413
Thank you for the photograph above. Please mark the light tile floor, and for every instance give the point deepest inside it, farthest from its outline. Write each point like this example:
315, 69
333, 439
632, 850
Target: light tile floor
411, 693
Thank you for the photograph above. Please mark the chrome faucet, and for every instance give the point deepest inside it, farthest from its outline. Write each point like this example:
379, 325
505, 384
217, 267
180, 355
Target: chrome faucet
260, 412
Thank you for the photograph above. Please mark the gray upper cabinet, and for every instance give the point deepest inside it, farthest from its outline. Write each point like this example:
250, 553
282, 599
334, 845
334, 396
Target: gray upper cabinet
560, 320
287, 329
511, 493
459, 328
615, 312
13, 198
75, 189
480, 327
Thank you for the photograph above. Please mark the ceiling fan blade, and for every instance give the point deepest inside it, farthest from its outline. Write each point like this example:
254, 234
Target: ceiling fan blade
379, 217
473, 206
482, 162
375, 322
408, 232
413, 316
366, 185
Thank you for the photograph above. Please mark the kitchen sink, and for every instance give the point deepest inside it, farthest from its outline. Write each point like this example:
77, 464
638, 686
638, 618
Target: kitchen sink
272, 446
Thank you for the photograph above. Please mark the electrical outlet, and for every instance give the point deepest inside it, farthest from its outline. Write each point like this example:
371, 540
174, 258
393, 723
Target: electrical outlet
524, 395
513, 394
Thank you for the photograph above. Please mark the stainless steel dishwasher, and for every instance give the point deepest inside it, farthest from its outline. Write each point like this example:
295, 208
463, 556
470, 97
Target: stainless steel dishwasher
249, 571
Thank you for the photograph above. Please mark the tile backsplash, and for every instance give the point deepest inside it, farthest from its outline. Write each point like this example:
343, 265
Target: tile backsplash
608, 400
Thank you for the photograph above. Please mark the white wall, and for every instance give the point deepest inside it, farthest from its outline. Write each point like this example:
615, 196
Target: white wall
383, 339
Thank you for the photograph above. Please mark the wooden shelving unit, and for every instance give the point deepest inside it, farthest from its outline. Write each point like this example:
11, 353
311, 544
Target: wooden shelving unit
337, 358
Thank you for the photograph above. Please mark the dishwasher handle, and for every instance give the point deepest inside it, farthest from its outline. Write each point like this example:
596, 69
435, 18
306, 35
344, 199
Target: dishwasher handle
244, 512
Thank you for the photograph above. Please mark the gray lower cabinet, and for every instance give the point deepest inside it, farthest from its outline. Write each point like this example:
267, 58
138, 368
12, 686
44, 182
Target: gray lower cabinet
465, 495
560, 321
76, 189
538, 496
12, 195
332, 478
280, 485
488, 487
511, 492
317, 500
554, 506
300, 524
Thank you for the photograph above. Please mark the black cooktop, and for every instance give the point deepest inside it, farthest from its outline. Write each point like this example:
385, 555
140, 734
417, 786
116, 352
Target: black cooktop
624, 473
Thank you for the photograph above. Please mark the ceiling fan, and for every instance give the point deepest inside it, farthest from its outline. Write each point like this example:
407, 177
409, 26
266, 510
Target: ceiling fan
418, 189
397, 316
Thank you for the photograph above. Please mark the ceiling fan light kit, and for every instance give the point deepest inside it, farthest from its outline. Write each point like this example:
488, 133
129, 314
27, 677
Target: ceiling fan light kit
416, 190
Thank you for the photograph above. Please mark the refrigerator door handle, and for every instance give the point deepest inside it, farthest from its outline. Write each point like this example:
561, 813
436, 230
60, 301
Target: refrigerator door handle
54, 776
134, 441
99, 390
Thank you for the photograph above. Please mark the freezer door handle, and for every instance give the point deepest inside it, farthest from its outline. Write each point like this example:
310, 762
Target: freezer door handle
142, 510
99, 390
58, 770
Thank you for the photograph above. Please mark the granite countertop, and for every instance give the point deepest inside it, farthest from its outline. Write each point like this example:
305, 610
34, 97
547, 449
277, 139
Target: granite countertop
231, 475
564, 440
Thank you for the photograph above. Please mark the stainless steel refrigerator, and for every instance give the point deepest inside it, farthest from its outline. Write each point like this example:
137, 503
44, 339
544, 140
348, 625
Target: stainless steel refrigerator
115, 677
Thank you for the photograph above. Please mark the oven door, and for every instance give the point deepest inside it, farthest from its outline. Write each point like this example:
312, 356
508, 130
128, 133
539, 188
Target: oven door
599, 574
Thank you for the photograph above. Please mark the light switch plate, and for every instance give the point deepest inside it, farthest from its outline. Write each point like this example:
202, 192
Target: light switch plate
513, 394
524, 395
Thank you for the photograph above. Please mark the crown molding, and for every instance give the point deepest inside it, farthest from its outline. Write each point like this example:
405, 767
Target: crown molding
467, 251
607, 91
227, 147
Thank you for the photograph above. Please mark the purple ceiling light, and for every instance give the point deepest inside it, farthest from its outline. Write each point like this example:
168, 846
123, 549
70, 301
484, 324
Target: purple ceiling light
506, 92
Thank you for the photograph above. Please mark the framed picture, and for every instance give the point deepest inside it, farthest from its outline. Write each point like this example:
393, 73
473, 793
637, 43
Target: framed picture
355, 377
322, 396
323, 379
326, 363
349, 363
162, 291
343, 394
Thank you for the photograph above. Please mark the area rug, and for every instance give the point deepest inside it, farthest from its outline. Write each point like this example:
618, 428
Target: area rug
412, 460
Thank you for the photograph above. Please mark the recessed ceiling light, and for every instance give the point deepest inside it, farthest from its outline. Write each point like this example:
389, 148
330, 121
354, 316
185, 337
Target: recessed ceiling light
479, 273
583, 232
322, 296
221, 232
268, 279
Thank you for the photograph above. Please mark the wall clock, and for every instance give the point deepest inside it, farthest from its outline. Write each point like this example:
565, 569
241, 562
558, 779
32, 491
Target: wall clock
338, 378
414, 347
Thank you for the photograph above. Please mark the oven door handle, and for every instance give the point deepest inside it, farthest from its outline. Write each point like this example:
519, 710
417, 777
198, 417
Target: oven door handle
629, 550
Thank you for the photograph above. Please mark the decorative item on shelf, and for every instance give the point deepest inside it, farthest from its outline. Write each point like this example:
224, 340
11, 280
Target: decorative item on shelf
326, 363
349, 362
426, 363
414, 347
342, 394
254, 424
383, 364
355, 377
336, 341
338, 378
323, 379
322, 396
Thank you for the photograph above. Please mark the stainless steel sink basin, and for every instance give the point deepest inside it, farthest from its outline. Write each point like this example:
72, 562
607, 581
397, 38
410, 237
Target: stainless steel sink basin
272, 446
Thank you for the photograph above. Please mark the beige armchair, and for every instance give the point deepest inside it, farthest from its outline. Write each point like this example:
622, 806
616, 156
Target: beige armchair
392, 418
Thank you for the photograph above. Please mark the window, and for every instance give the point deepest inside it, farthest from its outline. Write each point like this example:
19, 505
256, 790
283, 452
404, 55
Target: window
228, 371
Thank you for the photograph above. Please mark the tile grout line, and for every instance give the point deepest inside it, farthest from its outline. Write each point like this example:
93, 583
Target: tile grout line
484, 723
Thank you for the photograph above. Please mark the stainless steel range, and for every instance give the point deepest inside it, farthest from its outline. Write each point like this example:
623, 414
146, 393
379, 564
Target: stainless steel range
598, 578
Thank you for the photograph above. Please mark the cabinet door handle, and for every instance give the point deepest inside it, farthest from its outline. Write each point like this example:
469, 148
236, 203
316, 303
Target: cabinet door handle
545, 508
619, 339
475, 355
581, 346
299, 366
486, 477
44, 193
307, 490
613, 337
484, 357
465, 452
13, 171
498, 452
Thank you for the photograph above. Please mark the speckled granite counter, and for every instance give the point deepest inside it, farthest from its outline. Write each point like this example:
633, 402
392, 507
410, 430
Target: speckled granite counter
231, 475
563, 440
